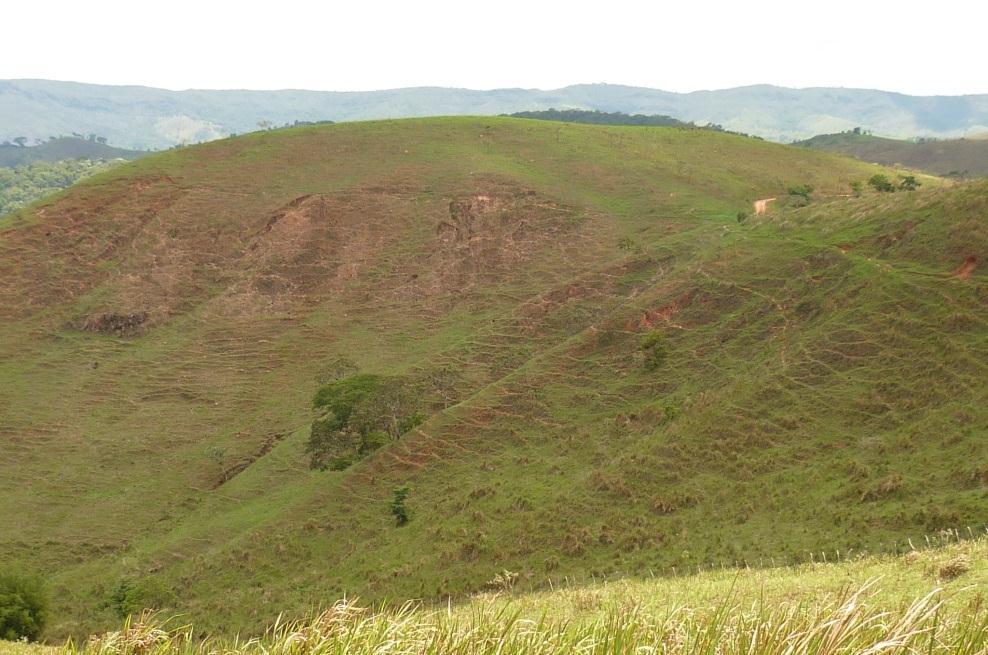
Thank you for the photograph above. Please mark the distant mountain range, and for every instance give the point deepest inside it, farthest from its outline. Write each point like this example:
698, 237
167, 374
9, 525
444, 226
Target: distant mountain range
143, 117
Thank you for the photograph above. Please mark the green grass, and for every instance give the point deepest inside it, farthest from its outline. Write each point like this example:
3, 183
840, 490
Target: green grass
823, 386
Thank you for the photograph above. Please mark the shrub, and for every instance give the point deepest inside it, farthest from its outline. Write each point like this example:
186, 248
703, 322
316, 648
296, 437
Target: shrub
908, 182
134, 596
856, 188
23, 607
503, 581
801, 190
953, 568
888, 486
881, 183
398, 508
742, 217
653, 347
627, 244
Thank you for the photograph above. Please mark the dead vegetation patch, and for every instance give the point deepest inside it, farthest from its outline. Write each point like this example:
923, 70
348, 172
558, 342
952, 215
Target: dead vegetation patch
117, 324
663, 314
489, 233
66, 252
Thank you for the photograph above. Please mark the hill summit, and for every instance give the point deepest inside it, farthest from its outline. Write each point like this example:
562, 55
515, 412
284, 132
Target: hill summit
586, 355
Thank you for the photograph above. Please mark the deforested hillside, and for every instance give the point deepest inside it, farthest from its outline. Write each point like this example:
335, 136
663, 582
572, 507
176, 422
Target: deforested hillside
587, 357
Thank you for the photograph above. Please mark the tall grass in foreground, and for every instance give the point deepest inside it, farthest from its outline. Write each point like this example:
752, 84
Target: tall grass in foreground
849, 624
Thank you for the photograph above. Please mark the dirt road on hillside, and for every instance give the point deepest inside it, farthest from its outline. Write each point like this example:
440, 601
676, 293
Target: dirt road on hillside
761, 206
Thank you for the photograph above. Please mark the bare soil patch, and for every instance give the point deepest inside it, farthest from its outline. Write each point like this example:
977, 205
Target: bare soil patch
965, 270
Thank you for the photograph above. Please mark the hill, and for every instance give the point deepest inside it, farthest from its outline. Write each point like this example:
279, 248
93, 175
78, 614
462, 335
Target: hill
608, 373
142, 117
63, 148
951, 157
925, 600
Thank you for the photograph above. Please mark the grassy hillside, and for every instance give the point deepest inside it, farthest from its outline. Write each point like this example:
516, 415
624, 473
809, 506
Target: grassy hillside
816, 377
927, 601
951, 157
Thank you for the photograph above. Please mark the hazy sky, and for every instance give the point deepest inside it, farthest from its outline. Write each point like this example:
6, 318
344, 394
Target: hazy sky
362, 45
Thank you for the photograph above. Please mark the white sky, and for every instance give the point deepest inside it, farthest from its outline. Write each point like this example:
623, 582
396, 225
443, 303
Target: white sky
683, 46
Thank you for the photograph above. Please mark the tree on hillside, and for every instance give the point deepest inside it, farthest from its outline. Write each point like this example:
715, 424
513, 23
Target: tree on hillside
397, 505
881, 183
23, 607
356, 415
908, 182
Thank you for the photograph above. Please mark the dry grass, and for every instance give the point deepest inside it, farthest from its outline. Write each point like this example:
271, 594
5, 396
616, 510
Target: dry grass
850, 624
863, 606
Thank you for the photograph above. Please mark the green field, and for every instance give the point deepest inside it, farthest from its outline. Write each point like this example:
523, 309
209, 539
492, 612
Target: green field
164, 326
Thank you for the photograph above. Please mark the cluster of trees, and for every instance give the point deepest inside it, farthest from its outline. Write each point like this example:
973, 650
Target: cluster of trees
265, 124
21, 141
883, 184
23, 185
802, 191
357, 414
597, 117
